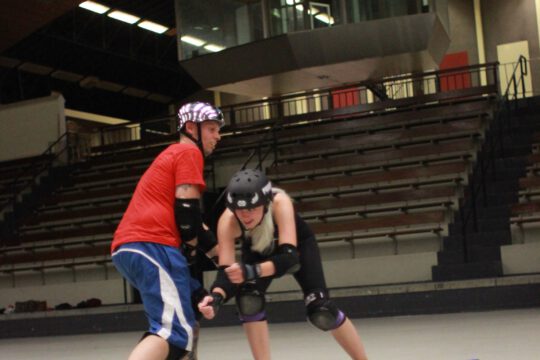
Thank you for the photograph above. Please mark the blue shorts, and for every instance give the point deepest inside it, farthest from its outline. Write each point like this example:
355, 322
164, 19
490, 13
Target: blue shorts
162, 276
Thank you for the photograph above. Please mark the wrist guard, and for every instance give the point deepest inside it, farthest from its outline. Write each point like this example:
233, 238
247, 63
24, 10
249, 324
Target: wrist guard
251, 271
217, 301
222, 281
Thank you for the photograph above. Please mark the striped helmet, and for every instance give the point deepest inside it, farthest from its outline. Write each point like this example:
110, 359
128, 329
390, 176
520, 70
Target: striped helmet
198, 112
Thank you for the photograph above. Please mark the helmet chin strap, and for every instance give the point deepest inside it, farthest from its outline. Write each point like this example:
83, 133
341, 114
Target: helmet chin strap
192, 138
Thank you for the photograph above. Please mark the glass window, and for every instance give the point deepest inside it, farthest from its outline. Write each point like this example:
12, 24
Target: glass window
362, 10
296, 15
211, 26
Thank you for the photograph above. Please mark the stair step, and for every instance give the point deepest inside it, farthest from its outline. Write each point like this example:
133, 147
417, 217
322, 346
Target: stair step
513, 162
473, 270
449, 257
455, 241
474, 254
499, 212
484, 223
484, 253
490, 238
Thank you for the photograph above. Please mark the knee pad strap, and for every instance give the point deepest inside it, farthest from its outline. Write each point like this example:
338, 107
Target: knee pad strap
253, 318
176, 353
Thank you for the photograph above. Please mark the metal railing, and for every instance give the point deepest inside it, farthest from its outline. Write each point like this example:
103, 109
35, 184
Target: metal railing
60, 151
269, 111
435, 82
501, 123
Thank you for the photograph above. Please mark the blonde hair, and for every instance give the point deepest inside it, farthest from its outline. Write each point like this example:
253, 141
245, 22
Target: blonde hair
262, 235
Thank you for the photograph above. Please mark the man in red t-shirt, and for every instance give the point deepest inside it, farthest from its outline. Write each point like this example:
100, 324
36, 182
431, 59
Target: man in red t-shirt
162, 218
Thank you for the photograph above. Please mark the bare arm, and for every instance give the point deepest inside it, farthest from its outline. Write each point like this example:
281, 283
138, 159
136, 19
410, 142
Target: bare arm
228, 230
284, 218
283, 211
187, 191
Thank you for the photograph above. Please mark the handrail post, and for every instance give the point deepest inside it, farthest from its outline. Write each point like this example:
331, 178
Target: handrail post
524, 71
232, 117
483, 180
275, 145
474, 210
495, 75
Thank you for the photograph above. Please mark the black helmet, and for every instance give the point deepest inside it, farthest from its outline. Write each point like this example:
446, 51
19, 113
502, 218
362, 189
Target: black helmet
248, 189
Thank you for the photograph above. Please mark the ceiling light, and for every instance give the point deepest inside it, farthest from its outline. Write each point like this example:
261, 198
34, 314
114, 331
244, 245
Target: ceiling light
36, 68
66, 76
135, 92
325, 18
152, 26
95, 7
192, 40
125, 17
214, 48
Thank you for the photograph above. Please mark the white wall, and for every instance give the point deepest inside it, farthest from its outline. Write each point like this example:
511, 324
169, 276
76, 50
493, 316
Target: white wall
61, 286
521, 258
28, 128
381, 270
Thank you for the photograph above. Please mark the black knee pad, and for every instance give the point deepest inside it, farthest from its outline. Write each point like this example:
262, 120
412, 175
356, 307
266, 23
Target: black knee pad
176, 353
250, 303
322, 312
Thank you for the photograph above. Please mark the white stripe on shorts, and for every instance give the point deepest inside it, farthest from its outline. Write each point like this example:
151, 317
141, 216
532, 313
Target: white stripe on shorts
171, 301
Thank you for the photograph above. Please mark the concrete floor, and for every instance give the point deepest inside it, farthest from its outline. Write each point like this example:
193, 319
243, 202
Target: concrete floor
495, 335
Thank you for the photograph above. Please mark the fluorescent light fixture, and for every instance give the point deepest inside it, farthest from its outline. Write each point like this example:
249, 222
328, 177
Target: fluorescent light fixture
325, 18
95, 7
125, 17
192, 40
152, 26
214, 48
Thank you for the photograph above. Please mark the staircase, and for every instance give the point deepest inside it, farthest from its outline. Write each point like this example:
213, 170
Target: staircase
473, 247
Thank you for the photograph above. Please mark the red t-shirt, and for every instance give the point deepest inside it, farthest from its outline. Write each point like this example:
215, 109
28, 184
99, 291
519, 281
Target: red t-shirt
150, 213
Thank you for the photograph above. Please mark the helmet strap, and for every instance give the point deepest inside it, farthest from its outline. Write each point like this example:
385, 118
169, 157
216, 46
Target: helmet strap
198, 141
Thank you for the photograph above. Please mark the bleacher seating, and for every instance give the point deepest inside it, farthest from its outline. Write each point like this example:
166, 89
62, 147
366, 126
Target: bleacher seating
526, 213
15, 174
389, 183
354, 175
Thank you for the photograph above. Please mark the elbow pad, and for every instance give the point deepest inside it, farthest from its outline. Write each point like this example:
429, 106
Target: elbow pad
187, 213
286, 260
206, 240
222, 281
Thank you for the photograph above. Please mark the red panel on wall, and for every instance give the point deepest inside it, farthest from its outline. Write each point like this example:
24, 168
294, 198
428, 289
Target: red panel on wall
345, 97
455, 80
